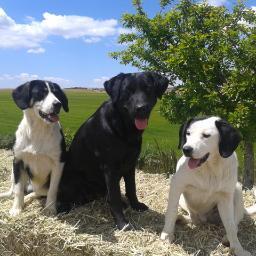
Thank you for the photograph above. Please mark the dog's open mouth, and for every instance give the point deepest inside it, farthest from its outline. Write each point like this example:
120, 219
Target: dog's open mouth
53, 117
194, 163
141, 123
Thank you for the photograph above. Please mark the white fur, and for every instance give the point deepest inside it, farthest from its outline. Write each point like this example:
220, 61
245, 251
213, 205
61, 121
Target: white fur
214, 183
45, 105
38, 145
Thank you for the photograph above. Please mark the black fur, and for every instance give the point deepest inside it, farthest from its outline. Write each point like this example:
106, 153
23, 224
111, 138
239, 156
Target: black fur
113, 86
60, 95
106, 147
63, 146
27, 94
29, 172
229, 138
18, 167
184, 127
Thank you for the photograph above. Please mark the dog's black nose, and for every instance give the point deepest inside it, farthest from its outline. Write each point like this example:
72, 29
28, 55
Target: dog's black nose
142, 109
56, 107
187, 150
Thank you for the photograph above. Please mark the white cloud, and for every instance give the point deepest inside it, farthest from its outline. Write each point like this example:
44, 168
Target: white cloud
58, 80
21, 77
253, 8
32, 34
126, 30
92, 40
98, 82
217, 2
30, 18
36, 50
7, 79
26, 77
72, 26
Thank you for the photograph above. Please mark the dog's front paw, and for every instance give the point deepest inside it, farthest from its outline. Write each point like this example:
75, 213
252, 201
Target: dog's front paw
50, 209
124, 225
166, 236
140, 207
15, 211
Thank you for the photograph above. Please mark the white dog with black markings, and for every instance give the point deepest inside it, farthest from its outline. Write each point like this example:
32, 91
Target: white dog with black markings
39, 149
205, 184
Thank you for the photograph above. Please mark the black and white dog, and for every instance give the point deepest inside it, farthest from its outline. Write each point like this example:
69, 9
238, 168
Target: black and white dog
108, 144
39, 149
205, 184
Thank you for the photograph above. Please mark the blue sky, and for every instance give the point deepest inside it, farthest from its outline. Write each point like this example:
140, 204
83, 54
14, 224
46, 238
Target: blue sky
64, 41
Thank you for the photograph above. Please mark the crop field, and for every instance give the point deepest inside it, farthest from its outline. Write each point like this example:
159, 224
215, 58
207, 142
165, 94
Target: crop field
82, 104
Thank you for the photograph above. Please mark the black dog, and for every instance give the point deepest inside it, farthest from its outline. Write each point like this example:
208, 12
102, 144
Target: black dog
107, 146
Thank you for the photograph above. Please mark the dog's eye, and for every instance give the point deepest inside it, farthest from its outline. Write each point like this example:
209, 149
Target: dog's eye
188, 133
206, 135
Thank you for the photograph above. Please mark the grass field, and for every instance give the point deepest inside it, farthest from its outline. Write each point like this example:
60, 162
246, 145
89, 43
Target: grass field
82, 104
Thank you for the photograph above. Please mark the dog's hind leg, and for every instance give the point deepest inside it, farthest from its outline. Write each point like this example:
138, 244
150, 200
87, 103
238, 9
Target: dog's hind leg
34, 195
238, 210
190, 217
252, 209
226, 210
56, 173
238, 204
30, 197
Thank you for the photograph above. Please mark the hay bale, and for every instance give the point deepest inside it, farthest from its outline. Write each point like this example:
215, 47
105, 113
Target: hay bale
89, 230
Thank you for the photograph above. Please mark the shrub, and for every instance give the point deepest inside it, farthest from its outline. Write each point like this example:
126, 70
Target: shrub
68, 134
7, 141
156, 159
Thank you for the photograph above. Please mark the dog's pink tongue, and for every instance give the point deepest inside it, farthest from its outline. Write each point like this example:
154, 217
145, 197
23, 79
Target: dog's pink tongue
54, 118
141, 124
193, 163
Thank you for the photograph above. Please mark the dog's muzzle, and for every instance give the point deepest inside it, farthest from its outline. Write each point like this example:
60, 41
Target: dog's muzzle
195, 163
52, 117
141, 116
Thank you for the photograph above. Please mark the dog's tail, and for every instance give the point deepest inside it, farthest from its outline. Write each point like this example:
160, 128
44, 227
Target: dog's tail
252, 209
8, 193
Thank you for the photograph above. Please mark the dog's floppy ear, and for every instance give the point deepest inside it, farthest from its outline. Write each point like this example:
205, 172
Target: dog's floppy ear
229, 138
22, 95
182, 133
161, 83
113, 86
61, 96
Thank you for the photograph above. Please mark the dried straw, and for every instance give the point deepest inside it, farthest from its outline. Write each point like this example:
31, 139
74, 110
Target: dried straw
90, 230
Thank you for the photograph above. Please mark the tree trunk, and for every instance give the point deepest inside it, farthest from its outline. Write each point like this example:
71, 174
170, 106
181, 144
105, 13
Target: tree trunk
248, 179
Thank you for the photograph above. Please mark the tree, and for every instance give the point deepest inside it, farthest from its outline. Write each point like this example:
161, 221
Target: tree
209, 54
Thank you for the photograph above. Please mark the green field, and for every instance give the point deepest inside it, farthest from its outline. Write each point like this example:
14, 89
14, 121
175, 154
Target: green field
82, 104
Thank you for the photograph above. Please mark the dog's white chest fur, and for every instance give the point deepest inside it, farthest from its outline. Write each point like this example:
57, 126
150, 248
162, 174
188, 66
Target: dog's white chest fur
33, 137
208, 183
33, 147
